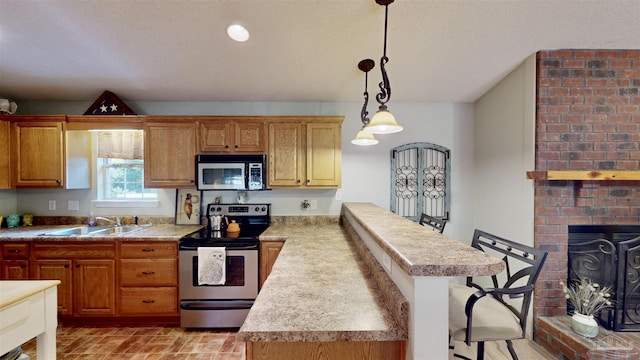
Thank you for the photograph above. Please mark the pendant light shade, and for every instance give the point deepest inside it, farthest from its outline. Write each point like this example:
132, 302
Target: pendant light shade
383, 122
364, 138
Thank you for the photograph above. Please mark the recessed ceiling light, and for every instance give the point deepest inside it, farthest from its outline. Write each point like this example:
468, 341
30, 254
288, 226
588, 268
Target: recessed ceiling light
238, 33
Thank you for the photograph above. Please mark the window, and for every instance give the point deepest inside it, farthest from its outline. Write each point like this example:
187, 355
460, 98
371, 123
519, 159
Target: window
420, 180
123, 179
120, 168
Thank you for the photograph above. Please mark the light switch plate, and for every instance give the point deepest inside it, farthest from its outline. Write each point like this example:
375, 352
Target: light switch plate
73, 205
52, 205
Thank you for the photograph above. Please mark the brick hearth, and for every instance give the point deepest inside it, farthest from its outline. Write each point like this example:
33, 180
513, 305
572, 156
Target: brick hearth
587, 118
555, 335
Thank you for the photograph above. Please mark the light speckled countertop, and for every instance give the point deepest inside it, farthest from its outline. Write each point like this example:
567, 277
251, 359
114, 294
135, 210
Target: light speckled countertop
319, 290
157, 232
325, 286
417, 250
13, 291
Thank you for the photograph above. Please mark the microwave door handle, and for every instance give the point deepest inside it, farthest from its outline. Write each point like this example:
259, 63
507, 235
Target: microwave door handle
247, 175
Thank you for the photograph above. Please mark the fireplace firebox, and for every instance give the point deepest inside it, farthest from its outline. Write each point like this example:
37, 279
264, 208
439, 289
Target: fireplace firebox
610, 256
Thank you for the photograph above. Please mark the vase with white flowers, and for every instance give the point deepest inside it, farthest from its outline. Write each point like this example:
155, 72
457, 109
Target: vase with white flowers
587, 299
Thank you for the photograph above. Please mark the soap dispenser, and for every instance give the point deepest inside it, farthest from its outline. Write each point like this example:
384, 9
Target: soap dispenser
92, 220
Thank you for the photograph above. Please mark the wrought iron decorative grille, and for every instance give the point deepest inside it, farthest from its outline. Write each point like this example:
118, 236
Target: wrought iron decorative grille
610, 256
421, 178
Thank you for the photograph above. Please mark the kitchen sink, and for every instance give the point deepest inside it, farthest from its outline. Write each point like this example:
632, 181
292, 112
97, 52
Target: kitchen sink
80, 230
97, 230
119, 230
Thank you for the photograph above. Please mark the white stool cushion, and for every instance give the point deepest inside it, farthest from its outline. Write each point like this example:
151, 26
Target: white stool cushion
491, 319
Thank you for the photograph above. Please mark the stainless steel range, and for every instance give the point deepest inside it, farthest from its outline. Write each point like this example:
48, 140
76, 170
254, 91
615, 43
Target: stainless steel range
222, 305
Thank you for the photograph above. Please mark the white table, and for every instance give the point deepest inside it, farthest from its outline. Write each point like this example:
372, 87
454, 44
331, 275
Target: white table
28, 309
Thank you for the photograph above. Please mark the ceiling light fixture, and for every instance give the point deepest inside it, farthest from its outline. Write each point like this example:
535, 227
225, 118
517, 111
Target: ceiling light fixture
383, 121
238, 33
364, 137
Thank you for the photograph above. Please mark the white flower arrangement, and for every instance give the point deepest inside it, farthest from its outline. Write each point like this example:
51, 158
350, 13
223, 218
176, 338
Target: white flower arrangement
586, 296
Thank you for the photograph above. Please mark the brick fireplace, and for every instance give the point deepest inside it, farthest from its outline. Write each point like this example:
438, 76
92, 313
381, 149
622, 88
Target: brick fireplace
587, 118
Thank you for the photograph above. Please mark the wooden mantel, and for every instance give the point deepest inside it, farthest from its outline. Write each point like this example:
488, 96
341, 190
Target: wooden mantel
584, 175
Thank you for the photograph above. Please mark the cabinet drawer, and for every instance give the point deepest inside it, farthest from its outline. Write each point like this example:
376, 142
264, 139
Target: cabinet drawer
80, 249
145, 272
143, 301
149, 249
15, 251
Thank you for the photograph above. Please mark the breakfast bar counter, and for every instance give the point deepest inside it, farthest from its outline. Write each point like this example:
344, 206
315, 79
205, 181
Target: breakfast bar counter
378, 280
319, 294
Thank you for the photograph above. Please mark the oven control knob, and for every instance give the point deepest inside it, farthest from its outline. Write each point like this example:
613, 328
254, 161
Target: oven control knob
264, 208
257, 208
219, 209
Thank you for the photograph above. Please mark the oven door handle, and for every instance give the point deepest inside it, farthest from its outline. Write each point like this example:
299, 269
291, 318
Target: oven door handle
251, 247
223, 305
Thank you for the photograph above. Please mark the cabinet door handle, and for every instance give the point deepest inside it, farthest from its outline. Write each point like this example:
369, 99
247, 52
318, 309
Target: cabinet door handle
23, 266
66, 266
236, 146
148, 250
14, 251
308, 181
58, 181
148, 301
298, 181
226, 146
148, 272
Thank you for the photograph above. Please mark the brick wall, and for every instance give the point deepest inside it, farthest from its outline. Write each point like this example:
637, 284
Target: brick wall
588, 118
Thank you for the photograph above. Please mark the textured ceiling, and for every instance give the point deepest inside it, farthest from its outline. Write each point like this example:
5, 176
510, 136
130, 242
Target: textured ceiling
299, 50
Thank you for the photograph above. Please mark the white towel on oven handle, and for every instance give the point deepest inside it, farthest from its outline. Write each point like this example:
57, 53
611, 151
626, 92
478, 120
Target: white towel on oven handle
212, 265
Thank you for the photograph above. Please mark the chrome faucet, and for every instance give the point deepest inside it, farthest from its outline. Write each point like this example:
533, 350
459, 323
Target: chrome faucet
116, 221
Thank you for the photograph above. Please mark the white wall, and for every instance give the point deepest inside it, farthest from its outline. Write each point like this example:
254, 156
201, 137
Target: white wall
365, 170
8, 202
503, 152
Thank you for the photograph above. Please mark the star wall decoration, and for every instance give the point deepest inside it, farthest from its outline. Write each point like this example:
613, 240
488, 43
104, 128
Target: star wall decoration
109, 104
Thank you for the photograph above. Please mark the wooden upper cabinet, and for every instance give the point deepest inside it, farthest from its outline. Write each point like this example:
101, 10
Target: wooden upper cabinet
37, 151
286, 154
324, 155
169, 152
231, 135
305, 153
5, 154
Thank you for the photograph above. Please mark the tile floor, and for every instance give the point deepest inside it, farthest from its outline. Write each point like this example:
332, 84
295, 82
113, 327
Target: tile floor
143, 343
162, 343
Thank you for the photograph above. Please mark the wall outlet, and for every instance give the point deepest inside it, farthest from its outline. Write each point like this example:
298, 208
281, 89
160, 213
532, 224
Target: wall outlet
52, 205
338, 194
314, 204
73, 205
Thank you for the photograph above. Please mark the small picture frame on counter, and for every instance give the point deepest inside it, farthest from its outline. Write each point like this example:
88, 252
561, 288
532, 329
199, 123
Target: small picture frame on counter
188, 207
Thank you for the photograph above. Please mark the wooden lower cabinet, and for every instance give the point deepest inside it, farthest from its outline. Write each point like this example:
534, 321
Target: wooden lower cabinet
103, 281
58, 270
148, 301
86, 272
338, 350
148, 278
15, 261
269, 251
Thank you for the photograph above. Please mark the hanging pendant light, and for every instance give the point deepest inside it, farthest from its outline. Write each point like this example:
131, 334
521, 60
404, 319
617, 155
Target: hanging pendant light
383, 121
363, 137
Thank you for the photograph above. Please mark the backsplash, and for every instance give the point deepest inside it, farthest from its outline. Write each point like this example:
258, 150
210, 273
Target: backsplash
79, 220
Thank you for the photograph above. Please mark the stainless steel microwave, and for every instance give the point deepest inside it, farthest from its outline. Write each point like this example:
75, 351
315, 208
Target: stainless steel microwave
231, 172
